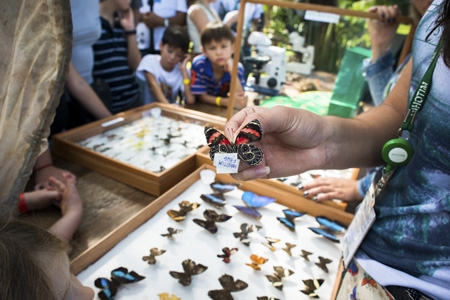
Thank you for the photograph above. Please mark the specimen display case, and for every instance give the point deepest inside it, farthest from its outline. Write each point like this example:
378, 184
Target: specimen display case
184, 241
150, 148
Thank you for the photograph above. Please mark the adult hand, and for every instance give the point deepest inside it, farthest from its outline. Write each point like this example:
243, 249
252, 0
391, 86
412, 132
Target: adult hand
240, 100
382, 31
127, 19
293, 141
321, 189
151, 19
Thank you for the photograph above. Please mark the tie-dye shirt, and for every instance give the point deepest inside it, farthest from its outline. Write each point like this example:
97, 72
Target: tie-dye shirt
412, 229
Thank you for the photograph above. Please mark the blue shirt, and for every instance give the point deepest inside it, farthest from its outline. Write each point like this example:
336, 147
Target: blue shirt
203, 81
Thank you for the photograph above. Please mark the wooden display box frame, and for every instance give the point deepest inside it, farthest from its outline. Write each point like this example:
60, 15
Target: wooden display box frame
65, 145
202, 157
91, 255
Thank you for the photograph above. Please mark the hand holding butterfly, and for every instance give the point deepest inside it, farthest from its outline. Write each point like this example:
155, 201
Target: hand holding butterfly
289, 143
295, 140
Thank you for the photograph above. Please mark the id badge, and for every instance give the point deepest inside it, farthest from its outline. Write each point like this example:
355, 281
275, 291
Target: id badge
363, 220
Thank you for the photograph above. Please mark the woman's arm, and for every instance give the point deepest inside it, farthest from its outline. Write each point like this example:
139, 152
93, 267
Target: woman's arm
295, 141
84, 94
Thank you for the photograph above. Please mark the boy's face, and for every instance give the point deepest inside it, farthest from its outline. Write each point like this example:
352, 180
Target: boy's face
170, 56
218, 52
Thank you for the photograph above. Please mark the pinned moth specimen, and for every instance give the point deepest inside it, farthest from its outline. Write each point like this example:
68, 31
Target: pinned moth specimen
151, 259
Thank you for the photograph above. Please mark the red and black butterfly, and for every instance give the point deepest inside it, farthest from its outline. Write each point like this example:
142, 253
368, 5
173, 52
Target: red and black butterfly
246, 152
227, 252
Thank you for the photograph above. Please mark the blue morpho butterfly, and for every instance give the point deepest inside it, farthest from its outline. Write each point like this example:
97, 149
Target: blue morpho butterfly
330, 224
253, 201
215, 199
119, 276
222, 187
288, 219
325, 234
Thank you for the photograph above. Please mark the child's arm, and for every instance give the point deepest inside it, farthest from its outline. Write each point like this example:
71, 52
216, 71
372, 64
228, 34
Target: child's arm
133, 53
155, 88
240, 100
43, 169
190, 99
71, 207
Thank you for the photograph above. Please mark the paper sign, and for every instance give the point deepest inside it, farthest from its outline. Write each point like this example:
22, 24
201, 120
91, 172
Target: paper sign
226, 163
312, 15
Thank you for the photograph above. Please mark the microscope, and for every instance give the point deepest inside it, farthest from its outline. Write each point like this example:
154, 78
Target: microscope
306, 65
268, 67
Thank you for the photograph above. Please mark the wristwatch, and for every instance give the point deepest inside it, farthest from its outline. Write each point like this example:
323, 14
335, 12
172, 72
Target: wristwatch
166, 22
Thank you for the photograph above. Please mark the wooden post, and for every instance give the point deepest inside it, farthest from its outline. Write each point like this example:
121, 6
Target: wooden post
301, 6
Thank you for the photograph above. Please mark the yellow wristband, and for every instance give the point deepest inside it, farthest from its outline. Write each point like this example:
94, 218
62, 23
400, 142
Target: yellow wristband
186, 81
218, 99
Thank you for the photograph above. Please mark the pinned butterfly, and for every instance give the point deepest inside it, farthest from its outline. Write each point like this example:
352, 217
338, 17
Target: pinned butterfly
246, 152
229, 286
119, 277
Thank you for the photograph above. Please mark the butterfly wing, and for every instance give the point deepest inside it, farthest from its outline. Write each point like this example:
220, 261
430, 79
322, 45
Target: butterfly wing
276, 281
286, 222
183, 278
253, 200
305, 254
217, 142
250, 154
250, 133
177, 215
216, 199
282, 272
325, 234
109, 288
208, 225
220, 295
151, 260
212, 215
310, 287
250, 211
221, 187
229, 284
330, 224
121, 275
292, 214
323, 263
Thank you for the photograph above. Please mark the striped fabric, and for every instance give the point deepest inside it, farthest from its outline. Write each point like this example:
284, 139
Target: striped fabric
111, 64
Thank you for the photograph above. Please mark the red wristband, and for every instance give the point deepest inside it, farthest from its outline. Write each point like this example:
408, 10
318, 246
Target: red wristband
42, 167
23, 208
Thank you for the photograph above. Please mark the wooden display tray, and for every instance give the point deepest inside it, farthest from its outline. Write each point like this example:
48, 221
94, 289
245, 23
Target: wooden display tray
202, 157
65, 145
91, 255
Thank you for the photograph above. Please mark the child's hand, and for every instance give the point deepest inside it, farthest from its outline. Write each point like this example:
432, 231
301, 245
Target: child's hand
229, 65
240, 100
41, 177
184, 62
126, 19
70, 199
41, 199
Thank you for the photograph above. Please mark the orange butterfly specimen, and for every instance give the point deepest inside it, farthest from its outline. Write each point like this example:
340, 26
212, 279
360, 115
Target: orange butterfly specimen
166, 296
256, 261
368, 280
185, 207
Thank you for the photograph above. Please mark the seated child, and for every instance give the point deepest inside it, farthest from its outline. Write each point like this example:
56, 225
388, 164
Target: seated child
210, 73
116, 55
166, 75
34, 261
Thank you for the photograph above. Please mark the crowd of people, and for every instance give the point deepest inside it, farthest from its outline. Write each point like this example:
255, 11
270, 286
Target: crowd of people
127, 53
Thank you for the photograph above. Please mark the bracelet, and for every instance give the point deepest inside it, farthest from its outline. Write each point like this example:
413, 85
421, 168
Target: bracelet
23, 208
218, 99
43, 167
130, 32
186, 81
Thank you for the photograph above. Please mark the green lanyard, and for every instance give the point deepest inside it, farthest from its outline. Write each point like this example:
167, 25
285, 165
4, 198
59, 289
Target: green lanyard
398, 152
